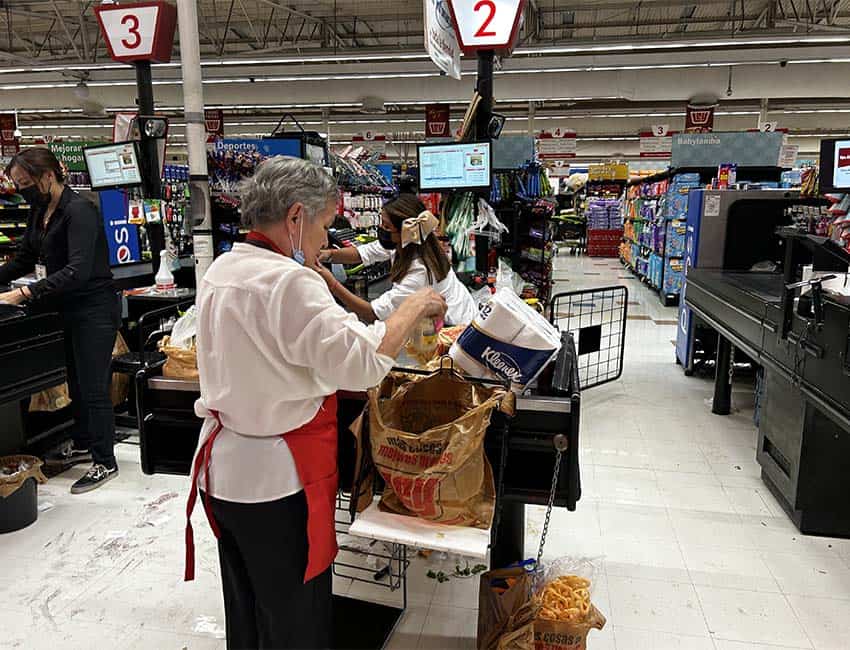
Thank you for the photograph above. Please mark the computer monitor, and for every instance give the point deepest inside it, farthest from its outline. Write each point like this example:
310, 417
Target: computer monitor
835, 166
447, 166
113, 166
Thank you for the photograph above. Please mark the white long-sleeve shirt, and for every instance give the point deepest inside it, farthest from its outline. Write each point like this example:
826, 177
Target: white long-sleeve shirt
461, 308
272, 344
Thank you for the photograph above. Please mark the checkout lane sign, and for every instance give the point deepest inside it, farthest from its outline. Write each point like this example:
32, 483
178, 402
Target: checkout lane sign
487, 24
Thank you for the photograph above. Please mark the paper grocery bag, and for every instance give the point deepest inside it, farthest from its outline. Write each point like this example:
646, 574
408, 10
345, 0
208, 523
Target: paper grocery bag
427, 441
497, 607
542, 634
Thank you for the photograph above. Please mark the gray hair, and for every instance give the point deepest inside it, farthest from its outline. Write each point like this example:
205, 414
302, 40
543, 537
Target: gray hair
281, 182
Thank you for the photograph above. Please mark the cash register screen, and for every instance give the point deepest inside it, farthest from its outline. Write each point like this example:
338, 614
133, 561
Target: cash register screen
113, 165
454, 166
835, 165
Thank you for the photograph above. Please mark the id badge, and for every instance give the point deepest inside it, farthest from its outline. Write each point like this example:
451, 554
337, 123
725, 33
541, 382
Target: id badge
40, 271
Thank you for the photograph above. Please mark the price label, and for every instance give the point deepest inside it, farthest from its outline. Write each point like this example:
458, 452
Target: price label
487, 24
138, 32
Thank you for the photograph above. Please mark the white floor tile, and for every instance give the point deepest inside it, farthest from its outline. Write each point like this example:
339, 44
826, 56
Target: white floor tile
721, 644
756, 617
728, 567
656, 606
449, 628
633, 639
637, 522
825, 620
409, 629
820, 576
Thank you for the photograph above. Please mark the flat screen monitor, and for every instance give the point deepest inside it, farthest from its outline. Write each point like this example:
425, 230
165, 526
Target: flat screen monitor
113, 166
835, 166
447, 166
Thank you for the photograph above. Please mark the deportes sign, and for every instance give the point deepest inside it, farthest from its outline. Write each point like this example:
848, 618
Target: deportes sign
487, 24
557, 144
142, 31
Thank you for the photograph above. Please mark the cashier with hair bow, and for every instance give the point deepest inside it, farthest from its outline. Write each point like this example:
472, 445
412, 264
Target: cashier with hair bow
273, 349
406, 237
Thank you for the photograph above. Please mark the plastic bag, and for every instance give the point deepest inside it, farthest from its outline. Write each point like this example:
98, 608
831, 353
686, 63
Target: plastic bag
184, 330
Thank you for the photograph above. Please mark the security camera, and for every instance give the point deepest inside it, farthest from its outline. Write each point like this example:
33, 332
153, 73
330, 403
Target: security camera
783, 63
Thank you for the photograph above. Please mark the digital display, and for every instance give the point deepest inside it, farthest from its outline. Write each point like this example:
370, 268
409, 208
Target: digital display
454, 166
113, 165
841, 165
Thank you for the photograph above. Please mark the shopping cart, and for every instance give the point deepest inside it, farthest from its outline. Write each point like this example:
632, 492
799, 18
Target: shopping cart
597, 320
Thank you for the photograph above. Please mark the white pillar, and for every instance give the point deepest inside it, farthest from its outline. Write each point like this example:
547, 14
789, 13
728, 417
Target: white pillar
763, 112
196, 137
531, 111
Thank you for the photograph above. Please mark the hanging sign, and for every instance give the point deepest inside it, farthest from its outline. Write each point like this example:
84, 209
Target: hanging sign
656, 143
699, 118
768, 127
437, 118
71, 154
9, 144
142, 31
440, 37
214, 123
788, 156
559, 169
746, 148
371, 142
487, 24
557, 144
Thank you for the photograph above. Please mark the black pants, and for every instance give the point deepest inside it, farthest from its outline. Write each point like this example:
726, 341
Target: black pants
90, 326
263, 555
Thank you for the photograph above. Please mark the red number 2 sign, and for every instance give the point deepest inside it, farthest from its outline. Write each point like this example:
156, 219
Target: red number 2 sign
131, 21
490, 6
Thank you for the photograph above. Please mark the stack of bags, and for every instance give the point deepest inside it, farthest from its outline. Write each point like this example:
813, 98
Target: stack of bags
603, 214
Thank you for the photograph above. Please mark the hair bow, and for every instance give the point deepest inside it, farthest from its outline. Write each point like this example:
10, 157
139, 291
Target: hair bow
415, 230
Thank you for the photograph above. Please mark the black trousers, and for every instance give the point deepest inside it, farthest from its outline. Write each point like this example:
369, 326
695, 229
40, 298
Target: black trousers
90, 327
263, 555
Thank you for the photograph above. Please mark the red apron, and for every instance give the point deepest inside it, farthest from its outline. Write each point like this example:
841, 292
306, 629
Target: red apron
314, 449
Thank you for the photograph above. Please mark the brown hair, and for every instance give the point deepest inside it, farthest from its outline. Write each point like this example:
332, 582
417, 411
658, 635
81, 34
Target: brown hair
36, 162
437, 265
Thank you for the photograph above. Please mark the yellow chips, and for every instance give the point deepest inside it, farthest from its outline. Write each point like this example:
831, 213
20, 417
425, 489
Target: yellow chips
565, 599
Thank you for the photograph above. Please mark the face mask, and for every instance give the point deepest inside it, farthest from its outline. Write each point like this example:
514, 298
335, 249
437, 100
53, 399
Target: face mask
385, 237
35, 197
298, 253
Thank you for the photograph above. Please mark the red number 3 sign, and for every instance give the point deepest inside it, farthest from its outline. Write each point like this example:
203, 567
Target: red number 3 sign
142, 31
487, 24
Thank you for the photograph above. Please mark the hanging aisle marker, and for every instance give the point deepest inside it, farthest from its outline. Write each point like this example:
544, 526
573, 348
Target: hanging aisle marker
487, 24
142, 31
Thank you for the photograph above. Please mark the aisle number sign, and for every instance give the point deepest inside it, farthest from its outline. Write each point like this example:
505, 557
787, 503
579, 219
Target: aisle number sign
556, 144
142, 31
657, 142
487, 24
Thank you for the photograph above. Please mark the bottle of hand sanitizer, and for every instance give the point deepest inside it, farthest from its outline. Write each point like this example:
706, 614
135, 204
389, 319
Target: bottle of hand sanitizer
164, 278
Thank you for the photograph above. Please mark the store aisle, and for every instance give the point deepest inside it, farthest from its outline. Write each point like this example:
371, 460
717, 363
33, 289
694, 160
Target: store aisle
693, 551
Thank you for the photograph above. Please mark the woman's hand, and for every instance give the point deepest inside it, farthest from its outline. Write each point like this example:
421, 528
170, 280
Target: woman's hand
13, 297
432, 303
325, 254
327, 276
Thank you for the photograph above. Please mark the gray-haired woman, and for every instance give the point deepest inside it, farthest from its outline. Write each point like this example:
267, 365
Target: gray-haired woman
273, 349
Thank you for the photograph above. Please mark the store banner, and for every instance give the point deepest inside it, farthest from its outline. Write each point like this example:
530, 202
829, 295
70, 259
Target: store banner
122, 237
745, 148
655, 143
556, 144
699, 118
214, 123
437, 118
440, 38
71, 154
9, 144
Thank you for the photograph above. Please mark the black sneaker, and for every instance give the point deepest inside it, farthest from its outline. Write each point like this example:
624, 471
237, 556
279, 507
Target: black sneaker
68, 456
96, 476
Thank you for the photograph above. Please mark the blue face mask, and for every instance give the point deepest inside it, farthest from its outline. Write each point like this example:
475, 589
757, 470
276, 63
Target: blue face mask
298, 253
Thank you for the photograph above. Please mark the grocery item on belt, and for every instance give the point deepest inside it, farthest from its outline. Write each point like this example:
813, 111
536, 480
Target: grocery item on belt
508, 340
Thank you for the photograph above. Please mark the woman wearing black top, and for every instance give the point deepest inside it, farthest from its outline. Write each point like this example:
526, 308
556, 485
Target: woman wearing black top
65, 245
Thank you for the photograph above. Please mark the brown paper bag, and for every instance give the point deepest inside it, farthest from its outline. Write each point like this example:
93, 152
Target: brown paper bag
427, 438
496, 609
181, 363
10, 484
120, 384
50, 399
542, 634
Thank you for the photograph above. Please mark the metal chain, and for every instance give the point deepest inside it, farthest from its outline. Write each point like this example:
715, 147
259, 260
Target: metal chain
558, 454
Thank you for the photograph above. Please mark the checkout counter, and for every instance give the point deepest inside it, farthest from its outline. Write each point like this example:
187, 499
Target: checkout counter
32, 358
521, 450
799, 335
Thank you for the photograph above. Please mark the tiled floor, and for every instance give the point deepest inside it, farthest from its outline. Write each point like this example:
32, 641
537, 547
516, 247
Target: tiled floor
692, 551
